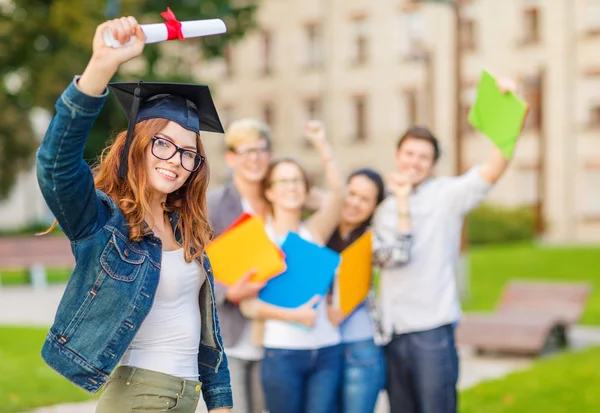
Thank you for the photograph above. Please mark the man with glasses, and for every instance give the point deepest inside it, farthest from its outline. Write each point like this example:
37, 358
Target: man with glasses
248, 155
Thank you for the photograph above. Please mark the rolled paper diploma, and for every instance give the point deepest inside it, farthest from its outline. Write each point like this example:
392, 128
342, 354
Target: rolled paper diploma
158, 32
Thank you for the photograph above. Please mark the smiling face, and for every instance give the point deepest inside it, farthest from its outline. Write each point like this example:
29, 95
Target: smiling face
168, 175
286, 186
416, 158
249, 160
361, 200
248, 150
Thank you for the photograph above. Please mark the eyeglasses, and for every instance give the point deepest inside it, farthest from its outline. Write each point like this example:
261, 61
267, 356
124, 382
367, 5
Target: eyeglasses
165, 149
286, 182
246, 152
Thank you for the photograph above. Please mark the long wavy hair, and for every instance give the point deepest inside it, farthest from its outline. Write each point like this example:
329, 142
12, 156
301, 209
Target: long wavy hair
133, 194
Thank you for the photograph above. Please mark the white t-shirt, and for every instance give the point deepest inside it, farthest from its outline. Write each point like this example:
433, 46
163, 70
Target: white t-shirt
422, 295
244, 349
284, 335
168, 339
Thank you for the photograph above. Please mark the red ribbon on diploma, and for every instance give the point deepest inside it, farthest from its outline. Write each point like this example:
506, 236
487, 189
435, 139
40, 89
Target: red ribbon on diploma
173, 25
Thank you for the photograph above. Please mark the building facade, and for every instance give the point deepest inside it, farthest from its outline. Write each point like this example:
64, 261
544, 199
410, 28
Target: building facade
370, 69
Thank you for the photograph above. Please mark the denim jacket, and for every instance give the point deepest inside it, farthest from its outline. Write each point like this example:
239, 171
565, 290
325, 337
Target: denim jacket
114, 282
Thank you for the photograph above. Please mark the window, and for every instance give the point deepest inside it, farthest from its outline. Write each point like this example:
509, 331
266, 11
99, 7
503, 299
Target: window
588, 100
593, 16
533, 97
313, 109
360, 41
267, 114
594, 116
592, 195
411, 106
412, 34
531, 22
227, 58
468, 35
468, 31
312, 33
266, 45
360, 118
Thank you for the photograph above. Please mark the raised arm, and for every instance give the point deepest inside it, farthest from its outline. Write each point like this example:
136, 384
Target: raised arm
324, 221
392, 243
495, 167
65, 179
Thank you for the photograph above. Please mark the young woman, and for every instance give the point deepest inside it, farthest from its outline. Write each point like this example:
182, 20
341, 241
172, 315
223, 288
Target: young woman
364, 362
301, 369
141, 294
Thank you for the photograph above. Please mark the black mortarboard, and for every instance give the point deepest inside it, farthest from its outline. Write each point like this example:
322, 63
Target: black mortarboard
191, 106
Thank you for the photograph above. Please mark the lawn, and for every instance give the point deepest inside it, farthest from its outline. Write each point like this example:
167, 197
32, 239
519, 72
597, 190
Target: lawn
26, 382
21, 277
563, 384
493, 266
567, 383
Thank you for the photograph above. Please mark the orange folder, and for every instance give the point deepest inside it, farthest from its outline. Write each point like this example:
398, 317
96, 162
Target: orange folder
243, 247
354, 277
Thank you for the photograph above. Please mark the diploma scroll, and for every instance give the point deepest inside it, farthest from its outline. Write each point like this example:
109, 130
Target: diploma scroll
171, 29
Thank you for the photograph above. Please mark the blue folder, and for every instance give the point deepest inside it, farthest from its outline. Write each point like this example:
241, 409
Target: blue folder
310, 271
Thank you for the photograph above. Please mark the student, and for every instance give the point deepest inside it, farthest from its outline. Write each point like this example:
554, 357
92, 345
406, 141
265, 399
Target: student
248, 155
141, 294
301, 370
420, 304
363, 374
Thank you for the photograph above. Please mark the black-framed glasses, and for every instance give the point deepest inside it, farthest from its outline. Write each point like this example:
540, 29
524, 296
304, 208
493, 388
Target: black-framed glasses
165, 149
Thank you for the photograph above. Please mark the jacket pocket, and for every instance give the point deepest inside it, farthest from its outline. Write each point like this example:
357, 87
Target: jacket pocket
120, 261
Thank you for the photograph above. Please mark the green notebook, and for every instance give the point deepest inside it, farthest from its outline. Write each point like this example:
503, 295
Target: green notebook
498, 115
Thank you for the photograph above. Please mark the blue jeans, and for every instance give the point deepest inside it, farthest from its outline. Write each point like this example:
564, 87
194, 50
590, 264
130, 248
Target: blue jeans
363, 377
301, 381
423, 371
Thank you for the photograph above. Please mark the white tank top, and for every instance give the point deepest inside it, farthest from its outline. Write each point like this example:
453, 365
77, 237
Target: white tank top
284, 335
168, 339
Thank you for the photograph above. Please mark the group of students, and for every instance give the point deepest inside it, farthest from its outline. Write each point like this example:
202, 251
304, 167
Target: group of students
142, 316
329, 366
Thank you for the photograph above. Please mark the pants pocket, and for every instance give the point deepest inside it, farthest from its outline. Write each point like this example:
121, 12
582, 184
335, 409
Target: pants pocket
150, 399
436, 339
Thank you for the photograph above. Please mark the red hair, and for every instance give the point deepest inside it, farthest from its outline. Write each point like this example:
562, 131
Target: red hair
133, 194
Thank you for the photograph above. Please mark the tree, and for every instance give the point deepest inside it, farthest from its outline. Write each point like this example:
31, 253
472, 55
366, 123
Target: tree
43, 43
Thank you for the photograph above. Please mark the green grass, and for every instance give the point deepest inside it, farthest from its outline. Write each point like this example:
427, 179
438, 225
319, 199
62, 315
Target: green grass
21, 277
569, 383
493, 266
26, 382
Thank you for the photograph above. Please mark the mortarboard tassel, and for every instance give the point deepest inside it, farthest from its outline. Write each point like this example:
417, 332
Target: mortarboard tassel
130, 128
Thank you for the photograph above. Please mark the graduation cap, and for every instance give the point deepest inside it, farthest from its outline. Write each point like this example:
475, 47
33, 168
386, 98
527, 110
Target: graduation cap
190, 106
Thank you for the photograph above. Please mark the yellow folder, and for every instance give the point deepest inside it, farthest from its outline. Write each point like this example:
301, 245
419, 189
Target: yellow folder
242, 248
354, 277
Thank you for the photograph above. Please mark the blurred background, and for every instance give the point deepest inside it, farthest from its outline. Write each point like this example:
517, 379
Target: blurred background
369, 69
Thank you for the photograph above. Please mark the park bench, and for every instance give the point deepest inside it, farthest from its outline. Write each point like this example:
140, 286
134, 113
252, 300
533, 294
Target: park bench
532, 319
34, 255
